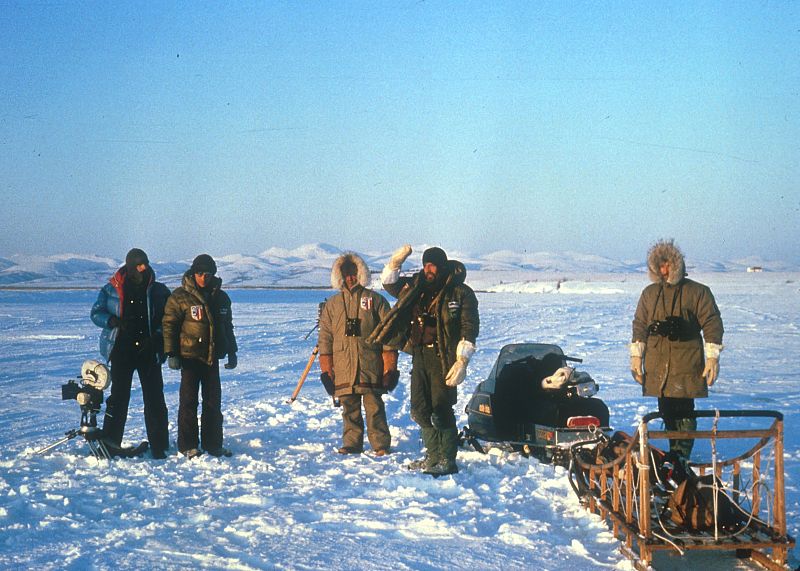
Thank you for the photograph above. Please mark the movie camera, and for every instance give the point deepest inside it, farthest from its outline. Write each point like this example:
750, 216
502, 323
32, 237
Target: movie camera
87, 390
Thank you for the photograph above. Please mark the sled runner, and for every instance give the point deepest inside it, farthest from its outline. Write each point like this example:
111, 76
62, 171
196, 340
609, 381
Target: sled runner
535, 403
654, 502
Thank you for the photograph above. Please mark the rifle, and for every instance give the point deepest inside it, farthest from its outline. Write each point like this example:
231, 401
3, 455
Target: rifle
310, 361
319, 312
304, 375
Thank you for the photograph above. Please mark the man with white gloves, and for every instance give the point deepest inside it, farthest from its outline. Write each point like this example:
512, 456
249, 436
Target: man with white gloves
436, 320
677, 339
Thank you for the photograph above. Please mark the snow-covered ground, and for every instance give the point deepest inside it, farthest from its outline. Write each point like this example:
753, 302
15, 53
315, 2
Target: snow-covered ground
285, 500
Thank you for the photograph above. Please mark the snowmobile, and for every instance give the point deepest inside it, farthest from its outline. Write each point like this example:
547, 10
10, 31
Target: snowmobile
537, 404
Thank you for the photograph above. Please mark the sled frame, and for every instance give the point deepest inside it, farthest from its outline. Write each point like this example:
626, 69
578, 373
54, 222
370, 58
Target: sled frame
620, 492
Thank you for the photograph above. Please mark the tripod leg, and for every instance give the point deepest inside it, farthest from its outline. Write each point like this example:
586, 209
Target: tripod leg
101, 447
96, 448
69, 436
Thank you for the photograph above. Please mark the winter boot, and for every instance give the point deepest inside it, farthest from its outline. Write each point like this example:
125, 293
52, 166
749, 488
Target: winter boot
443, 468
349, 450
448, 444
432, 454
192, 453
433, 450
221, 451
448, 447
417, 465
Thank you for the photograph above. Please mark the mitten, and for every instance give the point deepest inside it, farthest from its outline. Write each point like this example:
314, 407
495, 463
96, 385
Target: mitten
711, 370
327, 382
391, 271
458, 372
637, 360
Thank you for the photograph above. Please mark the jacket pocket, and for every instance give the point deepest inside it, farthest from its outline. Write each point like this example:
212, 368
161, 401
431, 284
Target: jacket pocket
194, 347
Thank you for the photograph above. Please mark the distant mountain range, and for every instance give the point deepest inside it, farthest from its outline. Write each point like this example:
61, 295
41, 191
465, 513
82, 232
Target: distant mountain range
309, 266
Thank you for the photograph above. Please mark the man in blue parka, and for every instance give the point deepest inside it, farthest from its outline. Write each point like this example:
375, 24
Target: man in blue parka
129, 308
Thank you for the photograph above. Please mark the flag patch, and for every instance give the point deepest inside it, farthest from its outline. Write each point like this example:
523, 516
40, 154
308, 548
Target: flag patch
366, 303
197, 312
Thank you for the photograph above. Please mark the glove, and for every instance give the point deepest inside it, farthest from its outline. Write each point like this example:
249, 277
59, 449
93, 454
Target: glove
557, 379
400, 255
113, 321
390, 380
326, 365
327, 382
390, 373
711, 370
391, 271
637, 349
458, 372
174, 362
233, 360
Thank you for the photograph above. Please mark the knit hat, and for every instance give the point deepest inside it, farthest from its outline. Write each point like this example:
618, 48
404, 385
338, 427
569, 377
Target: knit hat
204, 264
435, 256
134, 258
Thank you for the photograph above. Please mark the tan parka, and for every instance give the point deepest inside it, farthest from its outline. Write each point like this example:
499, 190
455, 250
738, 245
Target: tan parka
674, 358
357, 364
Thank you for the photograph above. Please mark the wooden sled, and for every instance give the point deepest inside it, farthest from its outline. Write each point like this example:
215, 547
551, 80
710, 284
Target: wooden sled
627, 493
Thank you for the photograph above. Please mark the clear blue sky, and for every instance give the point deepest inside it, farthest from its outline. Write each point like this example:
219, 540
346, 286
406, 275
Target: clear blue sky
594, 127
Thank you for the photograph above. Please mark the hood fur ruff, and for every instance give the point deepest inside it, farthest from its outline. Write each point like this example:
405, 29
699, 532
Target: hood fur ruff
666, 251
337, 281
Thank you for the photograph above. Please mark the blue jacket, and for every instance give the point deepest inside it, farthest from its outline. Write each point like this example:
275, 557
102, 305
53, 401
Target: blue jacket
110, 301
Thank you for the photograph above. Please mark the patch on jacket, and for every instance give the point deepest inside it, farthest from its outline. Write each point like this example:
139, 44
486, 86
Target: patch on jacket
366, 303
197, 312
453, 307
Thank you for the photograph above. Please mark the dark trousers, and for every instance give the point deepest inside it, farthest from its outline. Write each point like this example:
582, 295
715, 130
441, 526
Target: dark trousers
432, 404
197, 377
353, 421
675, 412
146, 364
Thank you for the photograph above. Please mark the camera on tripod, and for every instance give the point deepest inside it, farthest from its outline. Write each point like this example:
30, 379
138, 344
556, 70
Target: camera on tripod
89, 391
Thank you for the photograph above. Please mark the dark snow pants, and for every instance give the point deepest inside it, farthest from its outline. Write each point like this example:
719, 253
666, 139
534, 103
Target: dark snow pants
432, 405
197, 377
674, 411
353, 421
146, 364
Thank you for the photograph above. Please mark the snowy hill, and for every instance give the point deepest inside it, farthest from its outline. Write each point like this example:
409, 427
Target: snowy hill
309, 266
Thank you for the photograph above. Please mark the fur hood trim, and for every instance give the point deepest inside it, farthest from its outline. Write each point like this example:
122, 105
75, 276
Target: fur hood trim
337, 282
666, 251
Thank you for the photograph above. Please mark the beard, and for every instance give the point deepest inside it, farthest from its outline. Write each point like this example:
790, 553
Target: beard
433, 281
137, 277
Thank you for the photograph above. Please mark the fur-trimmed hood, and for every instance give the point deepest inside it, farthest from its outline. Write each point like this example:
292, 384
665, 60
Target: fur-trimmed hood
666, 251
337, 281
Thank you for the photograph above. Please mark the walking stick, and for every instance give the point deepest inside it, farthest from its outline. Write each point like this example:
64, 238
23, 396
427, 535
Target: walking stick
304, 375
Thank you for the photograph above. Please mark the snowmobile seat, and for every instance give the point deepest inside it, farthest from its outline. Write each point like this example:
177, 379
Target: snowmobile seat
519, 397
